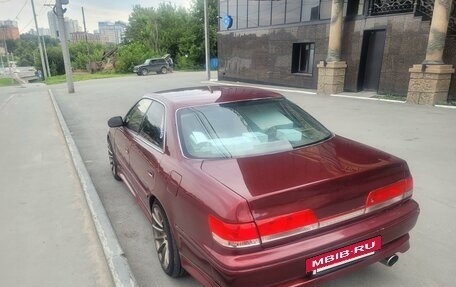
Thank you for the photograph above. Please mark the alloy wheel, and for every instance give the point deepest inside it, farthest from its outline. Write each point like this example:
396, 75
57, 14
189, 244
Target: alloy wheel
160, 236
112, 162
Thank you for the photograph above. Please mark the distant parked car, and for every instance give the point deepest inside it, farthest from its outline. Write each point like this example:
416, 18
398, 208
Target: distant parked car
245, 189
157, 65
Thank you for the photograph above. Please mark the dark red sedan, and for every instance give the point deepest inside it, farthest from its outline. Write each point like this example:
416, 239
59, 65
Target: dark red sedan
244, 188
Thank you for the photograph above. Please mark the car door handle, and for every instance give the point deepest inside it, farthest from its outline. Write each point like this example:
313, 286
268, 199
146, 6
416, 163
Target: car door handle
151, 174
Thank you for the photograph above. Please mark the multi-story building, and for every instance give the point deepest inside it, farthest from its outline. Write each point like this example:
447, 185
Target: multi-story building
44, 31
9, 30
83, 36
288, 42
112, 33
71, 26
53, 24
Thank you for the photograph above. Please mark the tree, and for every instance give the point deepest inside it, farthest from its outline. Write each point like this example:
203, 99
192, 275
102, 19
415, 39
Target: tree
55, 58
130, 55
168, 30
25, 49
81, 53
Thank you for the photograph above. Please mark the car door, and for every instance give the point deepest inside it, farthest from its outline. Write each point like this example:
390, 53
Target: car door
153, 65
125, 135
147, 151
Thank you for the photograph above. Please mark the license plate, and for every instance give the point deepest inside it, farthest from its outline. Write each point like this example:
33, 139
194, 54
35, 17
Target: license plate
343, 255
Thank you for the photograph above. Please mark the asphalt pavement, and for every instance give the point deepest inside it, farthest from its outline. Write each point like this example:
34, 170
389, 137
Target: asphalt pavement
47, 233
40, 191
422, 135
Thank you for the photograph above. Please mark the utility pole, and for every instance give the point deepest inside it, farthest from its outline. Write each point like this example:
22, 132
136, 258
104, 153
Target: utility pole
86, 38
206, 42
6, 53
58, 10
46, 57
45, 73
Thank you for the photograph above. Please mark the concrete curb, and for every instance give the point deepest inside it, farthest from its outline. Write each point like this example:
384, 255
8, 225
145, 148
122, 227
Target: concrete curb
115, 257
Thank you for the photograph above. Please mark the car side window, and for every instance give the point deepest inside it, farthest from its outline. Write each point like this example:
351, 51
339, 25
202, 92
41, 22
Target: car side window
135, 116
153, 125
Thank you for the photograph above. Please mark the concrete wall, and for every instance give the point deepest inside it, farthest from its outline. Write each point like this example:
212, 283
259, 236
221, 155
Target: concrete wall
264, 55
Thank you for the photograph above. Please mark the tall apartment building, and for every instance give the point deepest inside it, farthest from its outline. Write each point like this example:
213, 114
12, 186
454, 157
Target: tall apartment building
44, 31
82, 36
71, 26
112, 33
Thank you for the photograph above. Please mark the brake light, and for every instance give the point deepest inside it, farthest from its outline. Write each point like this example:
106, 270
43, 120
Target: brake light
249, 234
389, 194
287, 225
234, 235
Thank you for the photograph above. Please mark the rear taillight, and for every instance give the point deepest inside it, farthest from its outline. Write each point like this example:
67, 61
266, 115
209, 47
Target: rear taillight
389, 194
234, 235
249, 234
287, 225
238, 235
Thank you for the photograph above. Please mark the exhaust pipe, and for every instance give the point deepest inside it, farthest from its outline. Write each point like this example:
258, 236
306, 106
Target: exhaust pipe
390, 261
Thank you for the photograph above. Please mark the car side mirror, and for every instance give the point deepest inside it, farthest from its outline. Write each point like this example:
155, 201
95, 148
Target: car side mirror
115, 122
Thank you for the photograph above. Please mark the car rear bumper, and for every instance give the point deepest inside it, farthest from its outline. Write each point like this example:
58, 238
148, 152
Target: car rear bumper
284, 265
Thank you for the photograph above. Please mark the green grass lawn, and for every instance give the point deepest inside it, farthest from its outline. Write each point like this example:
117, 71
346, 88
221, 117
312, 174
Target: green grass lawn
82, 77
4, 82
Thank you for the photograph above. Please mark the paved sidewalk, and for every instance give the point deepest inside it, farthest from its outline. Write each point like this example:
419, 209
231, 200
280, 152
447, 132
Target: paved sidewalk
47, 234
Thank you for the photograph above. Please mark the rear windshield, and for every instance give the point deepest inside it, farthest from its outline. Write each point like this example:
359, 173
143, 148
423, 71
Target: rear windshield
246, 128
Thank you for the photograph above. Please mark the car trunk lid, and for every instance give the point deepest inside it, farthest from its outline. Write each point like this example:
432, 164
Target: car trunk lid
331, 178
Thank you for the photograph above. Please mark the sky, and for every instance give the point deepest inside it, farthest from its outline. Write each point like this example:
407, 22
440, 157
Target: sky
95, 11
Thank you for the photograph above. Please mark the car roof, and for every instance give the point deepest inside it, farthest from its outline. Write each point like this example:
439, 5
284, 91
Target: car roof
195, 96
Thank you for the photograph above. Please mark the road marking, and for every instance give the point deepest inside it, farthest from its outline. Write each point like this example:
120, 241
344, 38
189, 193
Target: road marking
6, 102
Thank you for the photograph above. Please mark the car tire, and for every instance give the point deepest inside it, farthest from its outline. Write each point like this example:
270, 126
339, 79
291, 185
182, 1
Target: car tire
113, 162
163, 70
144, 71
164, 242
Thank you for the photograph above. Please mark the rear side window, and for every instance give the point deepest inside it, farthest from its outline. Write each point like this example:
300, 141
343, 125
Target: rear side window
153, 124
135, 116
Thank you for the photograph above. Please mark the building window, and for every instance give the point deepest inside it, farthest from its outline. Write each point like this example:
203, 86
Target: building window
293, 13
310, 10
265, 13
223, 11
325, 9
302, 60
232, 11
278, 12
242, 14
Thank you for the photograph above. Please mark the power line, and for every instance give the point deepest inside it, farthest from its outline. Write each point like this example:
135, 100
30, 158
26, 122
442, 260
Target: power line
20, 11
38, 14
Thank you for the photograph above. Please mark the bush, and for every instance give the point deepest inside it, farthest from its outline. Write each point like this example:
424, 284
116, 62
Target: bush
130, 55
